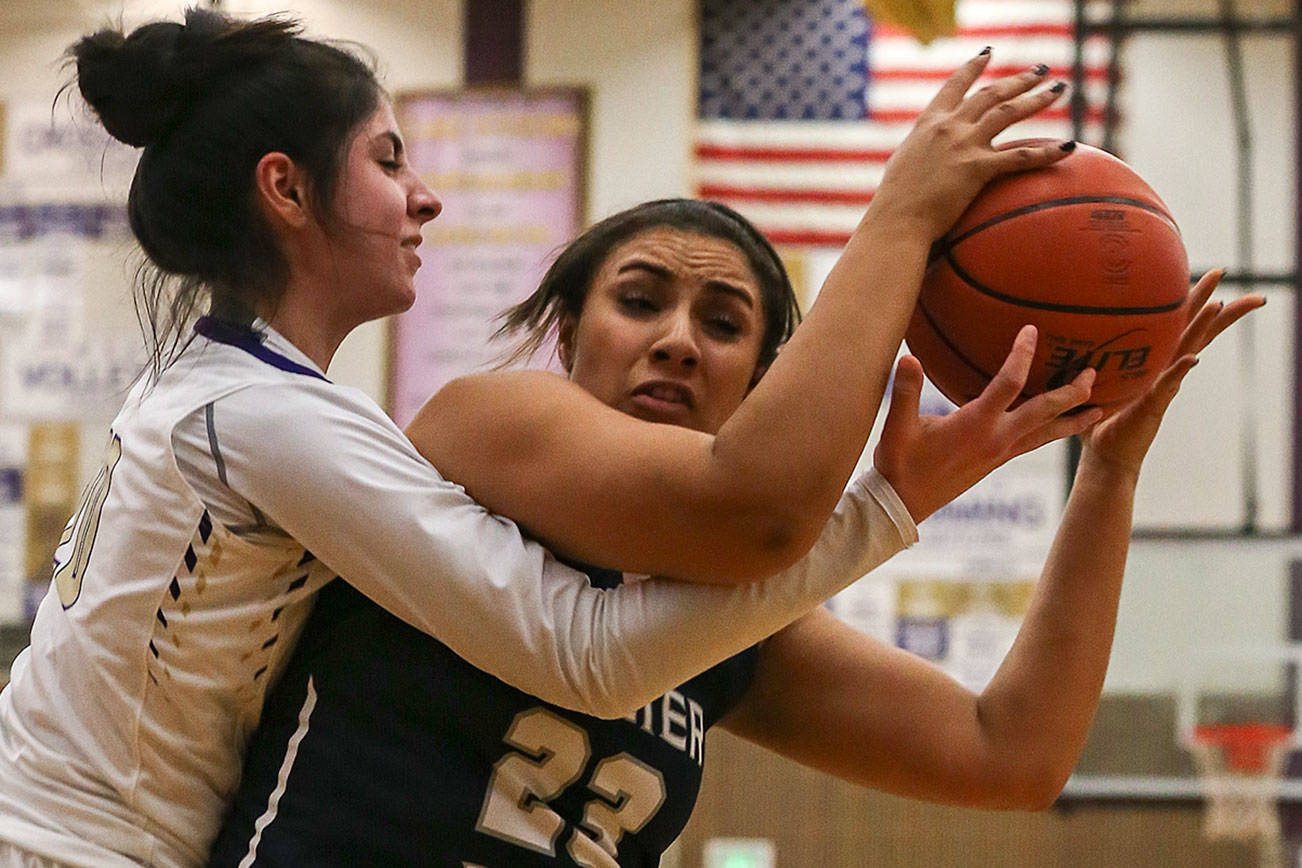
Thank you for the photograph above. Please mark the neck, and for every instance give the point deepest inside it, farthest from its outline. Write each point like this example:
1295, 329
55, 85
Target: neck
306, 324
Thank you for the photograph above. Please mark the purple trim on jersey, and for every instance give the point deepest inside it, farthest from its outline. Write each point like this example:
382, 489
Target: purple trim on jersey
250, 341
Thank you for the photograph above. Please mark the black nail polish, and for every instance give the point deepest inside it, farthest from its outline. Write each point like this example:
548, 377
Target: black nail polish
1059, 87
1040, 69
1067, 146
983, 51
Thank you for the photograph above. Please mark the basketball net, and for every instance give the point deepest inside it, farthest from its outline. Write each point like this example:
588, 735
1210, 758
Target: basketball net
1241, 766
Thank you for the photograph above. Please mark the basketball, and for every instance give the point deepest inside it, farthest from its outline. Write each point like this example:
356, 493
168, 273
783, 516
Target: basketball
1084, 250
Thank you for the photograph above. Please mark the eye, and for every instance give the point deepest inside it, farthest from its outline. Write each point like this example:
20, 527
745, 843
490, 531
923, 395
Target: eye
391, 165
638, 303
724, 325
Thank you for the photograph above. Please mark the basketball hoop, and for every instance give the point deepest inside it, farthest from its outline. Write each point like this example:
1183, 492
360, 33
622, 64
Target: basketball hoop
1241, 765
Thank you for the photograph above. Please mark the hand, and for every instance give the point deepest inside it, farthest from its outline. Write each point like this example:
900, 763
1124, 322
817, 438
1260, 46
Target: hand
1123, 438
930, 460
948, 157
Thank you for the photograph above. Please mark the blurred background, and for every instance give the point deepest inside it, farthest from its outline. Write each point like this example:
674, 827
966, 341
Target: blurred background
532, 118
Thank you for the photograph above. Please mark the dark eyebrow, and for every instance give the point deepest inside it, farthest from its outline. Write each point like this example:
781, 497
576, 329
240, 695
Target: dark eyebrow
713, 285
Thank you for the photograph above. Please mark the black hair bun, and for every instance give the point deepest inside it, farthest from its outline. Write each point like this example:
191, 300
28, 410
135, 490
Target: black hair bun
142, 84
128, 81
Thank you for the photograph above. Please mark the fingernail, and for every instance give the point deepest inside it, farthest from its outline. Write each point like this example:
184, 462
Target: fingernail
1040, 69
1059, 87
1067, 146
983, 51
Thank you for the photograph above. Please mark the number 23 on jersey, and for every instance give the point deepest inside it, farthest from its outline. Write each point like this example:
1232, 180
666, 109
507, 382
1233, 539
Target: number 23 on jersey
550, 755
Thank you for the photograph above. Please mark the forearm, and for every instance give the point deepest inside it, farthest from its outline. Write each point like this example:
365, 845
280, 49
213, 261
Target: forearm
604, 487
668, 632
607, 653
424, 551
826, 386
1038, 710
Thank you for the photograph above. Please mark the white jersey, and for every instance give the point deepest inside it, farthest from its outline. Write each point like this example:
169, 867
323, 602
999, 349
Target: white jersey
123, 728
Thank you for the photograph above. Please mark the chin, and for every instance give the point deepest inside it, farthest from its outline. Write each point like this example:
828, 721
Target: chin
401, 303
406, 303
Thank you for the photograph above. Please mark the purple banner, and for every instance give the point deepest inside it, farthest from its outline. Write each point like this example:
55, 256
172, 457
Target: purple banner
508, 167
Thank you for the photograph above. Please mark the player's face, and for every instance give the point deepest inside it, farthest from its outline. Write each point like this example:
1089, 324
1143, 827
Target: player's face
381, 205
670, 330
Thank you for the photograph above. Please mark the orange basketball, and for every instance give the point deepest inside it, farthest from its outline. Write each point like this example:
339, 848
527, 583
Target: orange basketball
1085, 251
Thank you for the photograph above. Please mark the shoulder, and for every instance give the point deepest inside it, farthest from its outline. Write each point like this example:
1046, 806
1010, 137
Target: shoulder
495, 383
305, 423
292, 402
499, 397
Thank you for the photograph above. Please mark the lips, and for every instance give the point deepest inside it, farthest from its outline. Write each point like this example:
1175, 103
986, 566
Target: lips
666, 392
409, 244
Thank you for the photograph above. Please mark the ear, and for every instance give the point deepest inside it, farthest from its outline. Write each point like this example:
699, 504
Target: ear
565, 342
281, 190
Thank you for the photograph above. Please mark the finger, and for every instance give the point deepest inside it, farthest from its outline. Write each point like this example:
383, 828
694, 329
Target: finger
959, 82
1214, 319
1052, 404
1008, 383
998, 92
1032, 155
1166, 386
1004, 115
1172, 377
1194, 337
1232, 313
1203, 290
906, 393
1063, 426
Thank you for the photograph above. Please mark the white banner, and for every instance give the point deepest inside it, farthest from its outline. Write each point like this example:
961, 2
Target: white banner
58, 154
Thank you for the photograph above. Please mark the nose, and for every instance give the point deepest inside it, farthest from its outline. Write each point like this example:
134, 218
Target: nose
676, 345
422, 204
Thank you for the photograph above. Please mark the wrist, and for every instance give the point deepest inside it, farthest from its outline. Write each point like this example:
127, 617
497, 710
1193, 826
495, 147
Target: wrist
886, 219
1105, 470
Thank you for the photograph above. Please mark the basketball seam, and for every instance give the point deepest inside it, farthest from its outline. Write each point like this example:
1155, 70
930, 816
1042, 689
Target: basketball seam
958, 354
1057, 203
1098, 310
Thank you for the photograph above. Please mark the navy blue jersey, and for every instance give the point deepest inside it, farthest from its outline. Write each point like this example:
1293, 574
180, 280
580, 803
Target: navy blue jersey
379, 746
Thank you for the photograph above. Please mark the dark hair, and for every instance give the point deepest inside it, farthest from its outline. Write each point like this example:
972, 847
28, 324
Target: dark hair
206, 100
565, 286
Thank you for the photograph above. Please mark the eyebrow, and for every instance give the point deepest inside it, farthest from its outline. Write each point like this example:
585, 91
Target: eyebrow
714, 285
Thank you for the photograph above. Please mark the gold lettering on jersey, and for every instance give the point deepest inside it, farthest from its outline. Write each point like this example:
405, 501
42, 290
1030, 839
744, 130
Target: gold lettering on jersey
549, 754
681, 723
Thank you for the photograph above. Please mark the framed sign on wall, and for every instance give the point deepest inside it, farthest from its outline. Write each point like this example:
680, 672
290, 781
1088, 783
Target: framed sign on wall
510, 168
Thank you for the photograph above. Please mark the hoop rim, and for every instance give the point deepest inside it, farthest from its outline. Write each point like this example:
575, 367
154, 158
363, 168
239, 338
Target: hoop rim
1245, 745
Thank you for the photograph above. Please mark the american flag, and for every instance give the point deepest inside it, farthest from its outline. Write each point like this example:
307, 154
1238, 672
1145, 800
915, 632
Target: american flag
802, 101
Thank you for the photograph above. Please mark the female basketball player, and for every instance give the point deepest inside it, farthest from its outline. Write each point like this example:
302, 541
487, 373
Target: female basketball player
381, 746
272, 191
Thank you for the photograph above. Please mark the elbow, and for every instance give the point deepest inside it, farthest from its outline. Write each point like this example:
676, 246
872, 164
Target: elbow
763, 547
1035, 787
1041, 795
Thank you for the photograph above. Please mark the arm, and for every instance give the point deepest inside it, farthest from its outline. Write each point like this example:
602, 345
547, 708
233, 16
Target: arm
350, 488
753, 497
838, 701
